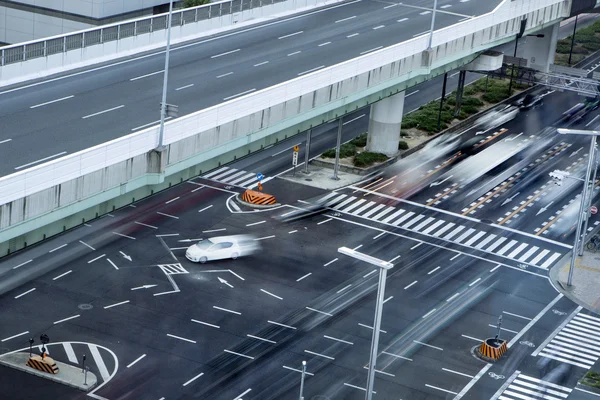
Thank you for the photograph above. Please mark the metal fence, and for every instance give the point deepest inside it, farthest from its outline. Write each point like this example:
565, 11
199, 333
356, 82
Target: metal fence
107, 33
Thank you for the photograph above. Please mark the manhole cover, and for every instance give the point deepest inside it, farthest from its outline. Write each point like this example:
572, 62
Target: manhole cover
85, 306
308, 179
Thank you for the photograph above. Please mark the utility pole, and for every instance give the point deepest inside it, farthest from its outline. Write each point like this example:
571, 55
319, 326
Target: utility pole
163, 106
573, 39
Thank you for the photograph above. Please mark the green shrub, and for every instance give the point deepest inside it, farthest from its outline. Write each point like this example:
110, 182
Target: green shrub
194, 3
367, 158
469, 109
346, 150
472, 101
402, 145
360, 141
404, 134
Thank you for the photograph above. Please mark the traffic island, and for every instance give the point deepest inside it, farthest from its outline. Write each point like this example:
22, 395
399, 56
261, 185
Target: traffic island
254, 199
491, 349
65, 374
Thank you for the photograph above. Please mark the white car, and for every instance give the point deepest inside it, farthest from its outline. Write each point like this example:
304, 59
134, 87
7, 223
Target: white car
222, 247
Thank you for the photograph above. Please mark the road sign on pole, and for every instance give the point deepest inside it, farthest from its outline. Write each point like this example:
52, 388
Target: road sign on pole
260, 176
594, 210
295, 158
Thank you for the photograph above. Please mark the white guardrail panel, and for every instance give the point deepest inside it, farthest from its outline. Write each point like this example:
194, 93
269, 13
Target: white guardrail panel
44, 176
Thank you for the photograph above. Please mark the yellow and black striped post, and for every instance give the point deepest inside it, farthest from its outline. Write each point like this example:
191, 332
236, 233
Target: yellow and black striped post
45, 364
258, 198
493, 349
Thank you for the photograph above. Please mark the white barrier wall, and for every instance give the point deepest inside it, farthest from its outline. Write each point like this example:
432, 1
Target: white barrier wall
114, 163
39, 58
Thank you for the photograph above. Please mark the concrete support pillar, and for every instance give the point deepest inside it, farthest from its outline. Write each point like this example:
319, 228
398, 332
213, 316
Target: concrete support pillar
539, 52
384, 125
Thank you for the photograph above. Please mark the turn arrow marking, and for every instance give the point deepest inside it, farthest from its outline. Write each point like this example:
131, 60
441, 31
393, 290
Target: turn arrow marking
125, 256
576, 152
224, 282
189, 240
143, 287
440, 182
543, 209
510, 198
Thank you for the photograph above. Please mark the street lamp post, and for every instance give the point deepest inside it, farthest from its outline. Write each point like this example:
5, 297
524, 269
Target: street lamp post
302, 381
582, 206
573, 39
383, 268
432, 24
163, 105
588, 203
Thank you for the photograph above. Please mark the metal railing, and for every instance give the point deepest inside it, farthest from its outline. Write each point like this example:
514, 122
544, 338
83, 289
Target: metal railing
141, 26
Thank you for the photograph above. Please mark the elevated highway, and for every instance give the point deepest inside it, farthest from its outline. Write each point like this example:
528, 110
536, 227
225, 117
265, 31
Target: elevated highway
252, 88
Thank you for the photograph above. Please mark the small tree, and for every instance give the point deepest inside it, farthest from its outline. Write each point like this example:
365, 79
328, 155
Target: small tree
194, 3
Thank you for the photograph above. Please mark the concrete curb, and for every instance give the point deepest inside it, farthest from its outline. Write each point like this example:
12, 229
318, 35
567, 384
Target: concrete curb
67, 374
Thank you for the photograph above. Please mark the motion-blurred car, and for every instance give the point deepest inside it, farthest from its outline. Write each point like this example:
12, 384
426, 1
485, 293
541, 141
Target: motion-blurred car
529, 101
306, 210
222, 247
496, 118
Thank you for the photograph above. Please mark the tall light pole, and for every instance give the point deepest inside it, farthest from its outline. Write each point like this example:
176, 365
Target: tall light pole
163, 105
383, 268
573, 39
432, 24
584, 194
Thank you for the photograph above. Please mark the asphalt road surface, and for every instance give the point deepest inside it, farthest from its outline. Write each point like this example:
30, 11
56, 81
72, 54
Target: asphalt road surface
48, 119
155, 325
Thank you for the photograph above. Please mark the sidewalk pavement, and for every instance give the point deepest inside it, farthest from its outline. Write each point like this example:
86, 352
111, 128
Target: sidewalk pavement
585, 290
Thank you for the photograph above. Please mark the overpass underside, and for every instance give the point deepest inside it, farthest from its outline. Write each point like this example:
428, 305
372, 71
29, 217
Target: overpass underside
108, 177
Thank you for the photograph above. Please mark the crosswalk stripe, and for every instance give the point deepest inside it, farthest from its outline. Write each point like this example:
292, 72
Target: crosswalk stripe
391, 217
70, 353
228, 172
363, 208
574, 328
373, 210
413, 221
550, 260
586, 342
566, 355
213, 173
242, 178
353, 205
423, 224
529, 253
563, 341
531, 385
485, 241
574, 345
247, 183
475, 238
327, 196
496, 244
403, 218
232, 177
335, 200
565, 350
539, 257
506, 247
587, 319
462, 237
565, 360
99, 362
343, 203
381, 214
433, 227
549, 384
454, 232
444, 229
519, 249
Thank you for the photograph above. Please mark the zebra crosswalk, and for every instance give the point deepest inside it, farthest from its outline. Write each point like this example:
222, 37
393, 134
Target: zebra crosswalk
577, 343
525, 387
236, 177
494, 243
173, 269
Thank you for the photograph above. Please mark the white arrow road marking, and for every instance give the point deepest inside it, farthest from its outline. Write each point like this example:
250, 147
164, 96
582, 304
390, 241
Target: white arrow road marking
440, 182
125, 255
576, 152
543, 209
510, 198
189, 240
143, 287
224, 282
